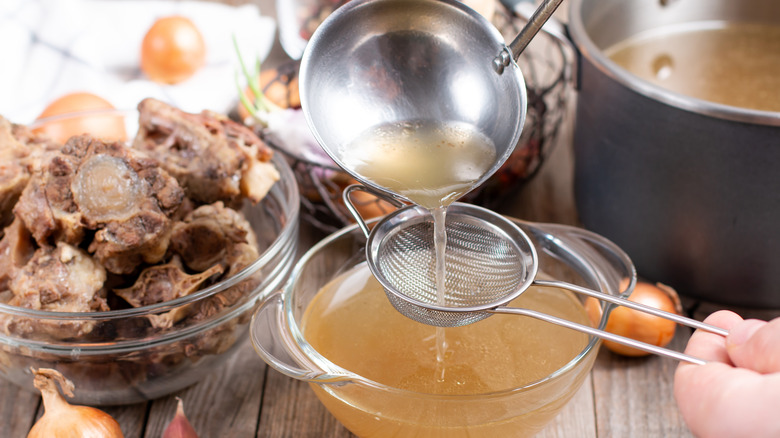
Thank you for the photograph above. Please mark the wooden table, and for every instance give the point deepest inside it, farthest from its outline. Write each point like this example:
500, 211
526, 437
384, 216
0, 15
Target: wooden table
622, 396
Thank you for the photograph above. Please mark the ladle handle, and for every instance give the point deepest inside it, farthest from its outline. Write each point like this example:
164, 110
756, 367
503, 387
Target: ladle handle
527, 33
601, 334
633, 305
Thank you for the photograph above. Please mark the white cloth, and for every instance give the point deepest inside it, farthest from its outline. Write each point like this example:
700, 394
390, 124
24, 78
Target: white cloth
52, 47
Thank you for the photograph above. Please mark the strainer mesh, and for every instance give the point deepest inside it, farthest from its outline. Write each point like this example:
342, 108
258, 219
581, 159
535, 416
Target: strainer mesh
483, 267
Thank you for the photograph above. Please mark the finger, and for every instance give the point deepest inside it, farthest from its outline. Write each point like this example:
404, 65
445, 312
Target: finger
707, 346
755, 345
717, 400
736, 396
710, 346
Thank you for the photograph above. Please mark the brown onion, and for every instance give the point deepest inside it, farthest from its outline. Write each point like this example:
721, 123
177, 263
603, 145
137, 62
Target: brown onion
63, 420
172, 50
639, 325
101, 125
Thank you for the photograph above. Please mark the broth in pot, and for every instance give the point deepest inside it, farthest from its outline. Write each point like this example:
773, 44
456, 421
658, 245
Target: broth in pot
737, 65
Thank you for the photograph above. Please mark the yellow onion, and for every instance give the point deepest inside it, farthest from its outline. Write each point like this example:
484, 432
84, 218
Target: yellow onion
63, 420
639, 325
172, 50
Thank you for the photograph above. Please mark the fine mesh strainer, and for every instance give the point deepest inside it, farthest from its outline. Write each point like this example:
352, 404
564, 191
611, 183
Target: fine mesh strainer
489, 262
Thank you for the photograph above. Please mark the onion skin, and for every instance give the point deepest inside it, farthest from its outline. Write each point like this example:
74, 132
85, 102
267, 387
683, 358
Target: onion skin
63, 420
76, 422
172, 50
105, 126
639, 325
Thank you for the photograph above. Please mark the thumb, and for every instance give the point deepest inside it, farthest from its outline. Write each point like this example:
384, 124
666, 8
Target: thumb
755, 345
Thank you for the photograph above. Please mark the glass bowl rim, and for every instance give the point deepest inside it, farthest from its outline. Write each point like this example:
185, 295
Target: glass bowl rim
590, 349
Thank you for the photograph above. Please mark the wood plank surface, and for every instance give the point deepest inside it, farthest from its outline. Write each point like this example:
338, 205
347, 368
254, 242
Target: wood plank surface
17, 410
290, 409
634, 394
245, 398
225, 403
576, 417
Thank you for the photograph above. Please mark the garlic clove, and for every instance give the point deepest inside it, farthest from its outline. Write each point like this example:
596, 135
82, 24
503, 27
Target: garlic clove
63, 420
180, 426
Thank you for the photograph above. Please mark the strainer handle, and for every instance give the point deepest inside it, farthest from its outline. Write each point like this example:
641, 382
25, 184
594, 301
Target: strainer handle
601, 334
354, 211
633, 305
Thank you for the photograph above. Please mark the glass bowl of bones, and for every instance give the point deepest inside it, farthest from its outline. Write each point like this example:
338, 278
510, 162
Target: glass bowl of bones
133, 266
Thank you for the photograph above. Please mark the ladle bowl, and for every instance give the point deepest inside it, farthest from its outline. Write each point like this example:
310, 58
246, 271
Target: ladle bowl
391, 62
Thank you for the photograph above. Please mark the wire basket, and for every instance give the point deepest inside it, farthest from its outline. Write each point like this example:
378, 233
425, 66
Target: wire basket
547, 72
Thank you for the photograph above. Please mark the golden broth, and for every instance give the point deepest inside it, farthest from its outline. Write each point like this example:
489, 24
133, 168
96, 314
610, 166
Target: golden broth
738, 65
431, 164
352, 323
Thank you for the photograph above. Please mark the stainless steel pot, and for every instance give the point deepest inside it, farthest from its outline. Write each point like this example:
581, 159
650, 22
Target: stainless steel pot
689, 189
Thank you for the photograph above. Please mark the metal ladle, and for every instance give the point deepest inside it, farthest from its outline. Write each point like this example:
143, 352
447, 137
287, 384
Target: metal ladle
378, 62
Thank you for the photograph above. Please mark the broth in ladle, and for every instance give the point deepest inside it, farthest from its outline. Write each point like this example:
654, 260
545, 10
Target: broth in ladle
430, 163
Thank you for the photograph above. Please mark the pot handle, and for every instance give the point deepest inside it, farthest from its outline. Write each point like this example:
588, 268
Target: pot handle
273, 343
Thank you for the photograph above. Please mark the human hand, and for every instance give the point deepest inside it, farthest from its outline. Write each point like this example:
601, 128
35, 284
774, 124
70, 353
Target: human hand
737, 393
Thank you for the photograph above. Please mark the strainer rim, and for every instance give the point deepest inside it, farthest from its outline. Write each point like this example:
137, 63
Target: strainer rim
420, 213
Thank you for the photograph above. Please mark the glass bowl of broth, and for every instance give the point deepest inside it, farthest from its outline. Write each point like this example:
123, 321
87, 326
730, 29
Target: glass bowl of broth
384, 375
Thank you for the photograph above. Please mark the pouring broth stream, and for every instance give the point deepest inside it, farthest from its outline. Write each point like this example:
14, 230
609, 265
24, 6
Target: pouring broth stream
432, 164
352, 323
